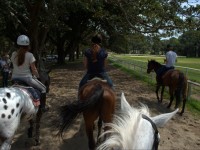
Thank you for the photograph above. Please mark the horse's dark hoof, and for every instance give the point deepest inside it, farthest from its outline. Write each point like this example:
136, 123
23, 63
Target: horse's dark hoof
46, 109
31, 142
37, 142
181, 113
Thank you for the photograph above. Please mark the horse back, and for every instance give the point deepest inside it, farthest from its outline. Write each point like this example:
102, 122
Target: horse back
106, 105
173, 77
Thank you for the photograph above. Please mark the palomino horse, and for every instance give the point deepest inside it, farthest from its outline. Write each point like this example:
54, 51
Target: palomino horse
133, 128
15, 104
174, 79
97, 99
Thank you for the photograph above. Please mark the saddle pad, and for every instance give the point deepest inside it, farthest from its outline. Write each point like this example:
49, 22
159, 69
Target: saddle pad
97, 78
34, 93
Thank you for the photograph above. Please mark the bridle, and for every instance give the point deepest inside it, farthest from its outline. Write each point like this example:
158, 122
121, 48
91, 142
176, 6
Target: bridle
156, 137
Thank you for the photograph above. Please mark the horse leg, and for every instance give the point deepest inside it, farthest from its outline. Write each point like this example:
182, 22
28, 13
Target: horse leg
157, 89
99, 127
178, 98
162, 91
171, 93
184, 92
89, 131
6, 145
37, 127
30, 129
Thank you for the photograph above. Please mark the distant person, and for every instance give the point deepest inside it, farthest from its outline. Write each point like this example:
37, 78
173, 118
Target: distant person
5, 69
24, 68
94, 61
170, 60
171, 57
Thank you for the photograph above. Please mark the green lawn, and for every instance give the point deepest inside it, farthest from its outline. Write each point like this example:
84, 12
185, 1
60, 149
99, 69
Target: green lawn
193, 64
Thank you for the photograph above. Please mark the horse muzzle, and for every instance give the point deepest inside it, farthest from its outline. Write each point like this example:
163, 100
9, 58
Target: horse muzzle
148, 71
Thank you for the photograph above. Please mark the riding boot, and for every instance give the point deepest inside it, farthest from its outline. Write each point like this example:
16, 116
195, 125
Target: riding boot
43, 106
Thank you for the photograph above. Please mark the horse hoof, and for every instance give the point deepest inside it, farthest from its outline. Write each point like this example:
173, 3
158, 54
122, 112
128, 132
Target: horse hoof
37, 142
181, 113
30, 142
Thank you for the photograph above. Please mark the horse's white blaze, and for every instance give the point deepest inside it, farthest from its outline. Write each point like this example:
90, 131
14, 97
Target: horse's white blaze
130, 131
13, 103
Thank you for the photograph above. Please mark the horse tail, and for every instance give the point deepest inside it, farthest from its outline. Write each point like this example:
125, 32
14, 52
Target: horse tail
69, 112
179, 87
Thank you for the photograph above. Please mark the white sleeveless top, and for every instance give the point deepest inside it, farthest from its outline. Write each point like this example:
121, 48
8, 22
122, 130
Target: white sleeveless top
23, 70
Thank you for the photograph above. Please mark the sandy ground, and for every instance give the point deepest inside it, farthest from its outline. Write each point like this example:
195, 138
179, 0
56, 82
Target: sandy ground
180, 133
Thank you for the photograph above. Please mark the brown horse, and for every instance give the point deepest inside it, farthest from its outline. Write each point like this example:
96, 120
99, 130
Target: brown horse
97, 100
174, 79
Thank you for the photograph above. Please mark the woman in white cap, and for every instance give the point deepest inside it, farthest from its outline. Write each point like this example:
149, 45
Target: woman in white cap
24, 68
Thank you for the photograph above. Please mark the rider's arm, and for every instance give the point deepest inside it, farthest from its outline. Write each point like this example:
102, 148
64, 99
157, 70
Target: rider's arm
34, 70
85, 62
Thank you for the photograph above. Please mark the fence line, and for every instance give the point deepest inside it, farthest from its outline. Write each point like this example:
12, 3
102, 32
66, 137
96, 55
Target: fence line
140, 67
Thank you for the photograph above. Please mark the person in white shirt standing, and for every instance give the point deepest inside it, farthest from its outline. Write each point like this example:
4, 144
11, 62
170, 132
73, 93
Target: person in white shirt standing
171, 57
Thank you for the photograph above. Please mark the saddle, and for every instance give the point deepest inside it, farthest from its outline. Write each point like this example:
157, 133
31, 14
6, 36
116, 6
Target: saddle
96, 77
161, 72
35, 94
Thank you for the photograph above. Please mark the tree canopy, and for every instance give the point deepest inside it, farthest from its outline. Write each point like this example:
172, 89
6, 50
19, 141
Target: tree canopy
64, 27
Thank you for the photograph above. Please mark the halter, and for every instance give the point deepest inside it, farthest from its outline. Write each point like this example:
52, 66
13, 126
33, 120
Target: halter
156, 138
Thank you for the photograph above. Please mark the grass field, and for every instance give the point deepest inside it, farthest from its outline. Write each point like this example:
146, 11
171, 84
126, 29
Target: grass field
190, 66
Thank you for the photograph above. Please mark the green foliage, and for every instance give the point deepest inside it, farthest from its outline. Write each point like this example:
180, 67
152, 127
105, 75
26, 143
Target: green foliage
190, 40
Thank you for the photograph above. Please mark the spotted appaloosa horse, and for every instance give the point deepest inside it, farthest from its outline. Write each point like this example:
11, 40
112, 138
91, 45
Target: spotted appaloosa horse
17, 104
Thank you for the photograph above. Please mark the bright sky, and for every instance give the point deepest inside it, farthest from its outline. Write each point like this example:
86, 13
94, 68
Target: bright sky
194, 2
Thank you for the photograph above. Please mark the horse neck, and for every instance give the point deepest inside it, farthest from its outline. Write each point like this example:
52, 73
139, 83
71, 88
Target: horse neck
157, 66
144, 137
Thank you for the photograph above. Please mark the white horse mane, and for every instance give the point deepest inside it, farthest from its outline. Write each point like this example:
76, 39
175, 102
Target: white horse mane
125, 125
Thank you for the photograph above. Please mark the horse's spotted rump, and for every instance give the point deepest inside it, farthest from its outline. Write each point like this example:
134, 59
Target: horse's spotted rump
12, 111
9, 116
3, 115
5, 107
8, 95
17, 105
4, 100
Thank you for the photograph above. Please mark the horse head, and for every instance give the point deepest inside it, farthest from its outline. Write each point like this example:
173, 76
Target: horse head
44, 74
152, 65
133, 128
45, 78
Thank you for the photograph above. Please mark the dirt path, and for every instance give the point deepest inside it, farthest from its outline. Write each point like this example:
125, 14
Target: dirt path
179, 133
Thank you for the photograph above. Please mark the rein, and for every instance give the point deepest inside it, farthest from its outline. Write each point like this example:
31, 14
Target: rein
156, 138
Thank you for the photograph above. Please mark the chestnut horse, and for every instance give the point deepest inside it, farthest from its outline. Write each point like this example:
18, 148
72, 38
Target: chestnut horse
174, 79
96, 100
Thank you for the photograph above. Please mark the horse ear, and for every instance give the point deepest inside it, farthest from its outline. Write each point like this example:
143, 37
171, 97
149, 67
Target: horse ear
162, 119
124, 104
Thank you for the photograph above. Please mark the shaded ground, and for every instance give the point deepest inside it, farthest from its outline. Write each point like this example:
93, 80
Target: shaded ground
179, 133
